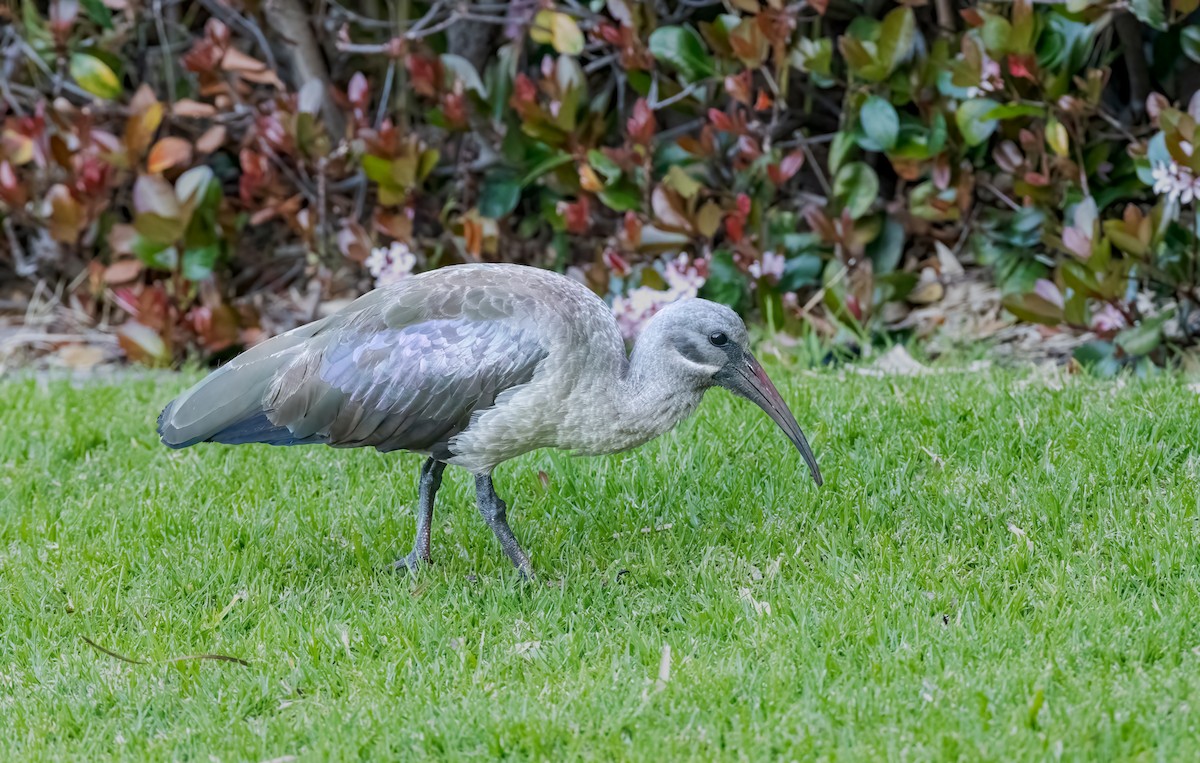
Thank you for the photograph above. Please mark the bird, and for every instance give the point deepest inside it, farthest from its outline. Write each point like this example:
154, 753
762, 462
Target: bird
472, 365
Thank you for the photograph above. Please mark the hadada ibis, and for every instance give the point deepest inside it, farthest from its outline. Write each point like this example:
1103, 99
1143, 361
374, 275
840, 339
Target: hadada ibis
472, 365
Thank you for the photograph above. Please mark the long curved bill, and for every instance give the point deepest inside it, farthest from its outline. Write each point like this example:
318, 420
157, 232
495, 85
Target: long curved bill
746, 378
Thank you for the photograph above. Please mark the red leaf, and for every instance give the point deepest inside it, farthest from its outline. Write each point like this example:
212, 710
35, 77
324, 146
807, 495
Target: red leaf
735, 227
1022, 66
738, 87
788, 167
424, 74
576, 214
641, 126
633, 229
609, 33
852, 304
972, 17
744, 204
616, 263
720, 120
763, 102
454, 107
524, 97
167, 153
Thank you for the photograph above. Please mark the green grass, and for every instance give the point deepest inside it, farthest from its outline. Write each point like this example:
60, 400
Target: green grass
995, 570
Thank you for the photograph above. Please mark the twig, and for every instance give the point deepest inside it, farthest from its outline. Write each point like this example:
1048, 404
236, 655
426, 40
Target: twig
1002, 196
386, 96
165, 51
359, 19
60, 82
683, 129
805, 140
686, 92
9, 64
816, 168
134, 661
820, 295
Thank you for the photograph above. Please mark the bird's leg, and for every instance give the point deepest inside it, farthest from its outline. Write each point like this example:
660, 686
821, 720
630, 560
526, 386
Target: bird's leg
431, 480
495, 514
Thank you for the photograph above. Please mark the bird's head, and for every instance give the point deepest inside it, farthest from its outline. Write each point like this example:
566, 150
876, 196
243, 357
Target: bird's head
707, 343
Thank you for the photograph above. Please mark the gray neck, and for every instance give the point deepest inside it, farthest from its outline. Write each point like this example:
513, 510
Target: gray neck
645, 397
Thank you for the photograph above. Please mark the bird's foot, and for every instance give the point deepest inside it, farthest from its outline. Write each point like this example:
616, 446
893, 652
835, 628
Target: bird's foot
410, 563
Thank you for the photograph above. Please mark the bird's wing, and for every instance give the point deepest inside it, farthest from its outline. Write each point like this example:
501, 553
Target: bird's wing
394, 378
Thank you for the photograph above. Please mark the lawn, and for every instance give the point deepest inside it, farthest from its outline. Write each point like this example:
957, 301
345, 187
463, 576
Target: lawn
996, 569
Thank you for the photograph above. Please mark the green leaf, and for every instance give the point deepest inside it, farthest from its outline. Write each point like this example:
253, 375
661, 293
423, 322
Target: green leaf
726, 283
880, 124
156, 228
198, 262
682, 48
95, 76
428, 161
1099, 357
896, 37
605, 166
888, 247
558, 30
855, 188
975, 128
1150, 12
839, 150
99, 13
621, 196
500, 194
996, 34
1143, 338
153, 253
1013, 110
464, 72
800, 272
1189, 40
547, 164
1036, 307
377, 169
678, 178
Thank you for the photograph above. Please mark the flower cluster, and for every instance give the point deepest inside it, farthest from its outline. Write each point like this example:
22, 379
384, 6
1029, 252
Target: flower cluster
390, 264
684, 280
770, 267
1175, 182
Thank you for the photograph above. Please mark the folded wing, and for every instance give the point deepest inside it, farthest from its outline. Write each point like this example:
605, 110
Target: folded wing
386, 376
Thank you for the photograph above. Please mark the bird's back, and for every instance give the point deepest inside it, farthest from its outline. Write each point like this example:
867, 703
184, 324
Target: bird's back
411, 366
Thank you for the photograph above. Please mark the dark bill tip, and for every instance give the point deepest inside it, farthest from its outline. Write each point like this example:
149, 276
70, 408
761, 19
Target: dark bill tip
745, 377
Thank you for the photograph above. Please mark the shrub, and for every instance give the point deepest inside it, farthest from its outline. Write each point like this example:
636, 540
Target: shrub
812, 162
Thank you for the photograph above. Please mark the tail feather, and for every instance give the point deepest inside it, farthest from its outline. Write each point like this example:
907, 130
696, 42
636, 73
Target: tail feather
227, 405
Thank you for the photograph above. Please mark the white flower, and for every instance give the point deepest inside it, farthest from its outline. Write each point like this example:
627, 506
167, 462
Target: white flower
633, 311
681, 275
391, 264
1175, 182
991, 78
770, 266
1108, 319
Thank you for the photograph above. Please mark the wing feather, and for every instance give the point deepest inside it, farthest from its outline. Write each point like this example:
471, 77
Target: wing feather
407, 387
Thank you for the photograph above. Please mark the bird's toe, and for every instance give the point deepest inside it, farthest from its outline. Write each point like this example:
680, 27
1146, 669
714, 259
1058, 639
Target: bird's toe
409, 563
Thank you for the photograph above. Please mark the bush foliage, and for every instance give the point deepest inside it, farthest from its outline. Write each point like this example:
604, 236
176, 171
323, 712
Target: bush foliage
812, 162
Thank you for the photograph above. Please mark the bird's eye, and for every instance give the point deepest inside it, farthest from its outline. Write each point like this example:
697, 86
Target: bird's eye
718, 339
